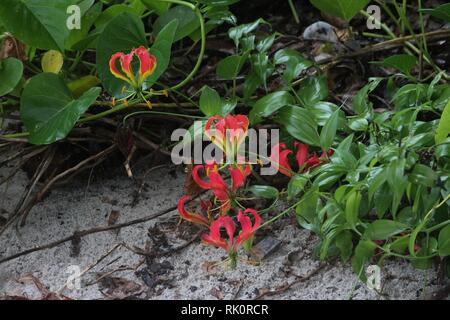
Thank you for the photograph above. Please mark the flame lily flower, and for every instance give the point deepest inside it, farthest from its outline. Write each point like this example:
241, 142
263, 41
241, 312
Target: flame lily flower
279, 158
231, 245
189, 216
238, 175
147, 65
305, 161
248, 230
229, 133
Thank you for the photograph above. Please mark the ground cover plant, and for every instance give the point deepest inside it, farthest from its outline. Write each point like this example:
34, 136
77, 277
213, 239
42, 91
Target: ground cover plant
361, 99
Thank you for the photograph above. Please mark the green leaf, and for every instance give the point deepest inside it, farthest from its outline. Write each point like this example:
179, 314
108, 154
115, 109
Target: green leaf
38, 23
295, 63
363, 252
345, 244
11, 71
328, 132
383, 229
360, 103
159, 6
269, 104
87, 21
312, 90
49, 110
161, 49
300, 124
306, 210
345, 9
236, 33
187, 21
443, 128
352, 208
444, 241
267, 192
402, 62
210, 102
442, 12
111, 13
229, 68
423, 174
296, 185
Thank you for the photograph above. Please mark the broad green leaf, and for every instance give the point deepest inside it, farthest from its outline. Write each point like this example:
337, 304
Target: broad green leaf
229, 68
269, 104
52, 61
161, 49
363, 252
267, 192
159, 6
441, 12
77, 36
111, 13
312, 90
444, 242
210, 102
443, 128
352, 208
187, 21
383, 229
261, 66
11, 71
48, 109
300, 124
345, 9
122, 34
402, 62
38, 23
328, 132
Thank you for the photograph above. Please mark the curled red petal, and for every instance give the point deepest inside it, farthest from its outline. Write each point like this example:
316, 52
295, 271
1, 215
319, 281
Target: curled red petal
192, 217
248, 229
113, 66
200, 182
279, 158
147, 62
302, 153
125, 62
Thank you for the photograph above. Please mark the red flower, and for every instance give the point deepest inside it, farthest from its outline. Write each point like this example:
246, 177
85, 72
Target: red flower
230, 131
238, 175
214, 238
189, 216
147, 66
232, 244
248, 230
305, 161
279, 157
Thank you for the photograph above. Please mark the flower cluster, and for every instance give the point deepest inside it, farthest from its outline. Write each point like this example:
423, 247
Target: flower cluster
229, 133
305, 160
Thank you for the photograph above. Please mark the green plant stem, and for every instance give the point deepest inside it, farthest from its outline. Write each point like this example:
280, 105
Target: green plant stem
294, 11
199, 15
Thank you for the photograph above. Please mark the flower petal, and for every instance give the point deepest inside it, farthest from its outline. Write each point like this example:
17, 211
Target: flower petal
113, 67
147, 63
192, 217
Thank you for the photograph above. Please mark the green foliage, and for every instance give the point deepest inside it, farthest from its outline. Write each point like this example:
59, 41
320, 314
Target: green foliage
345, 9
11, 71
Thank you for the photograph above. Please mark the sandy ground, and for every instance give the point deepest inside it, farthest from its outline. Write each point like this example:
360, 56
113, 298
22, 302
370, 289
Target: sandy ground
167, 272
